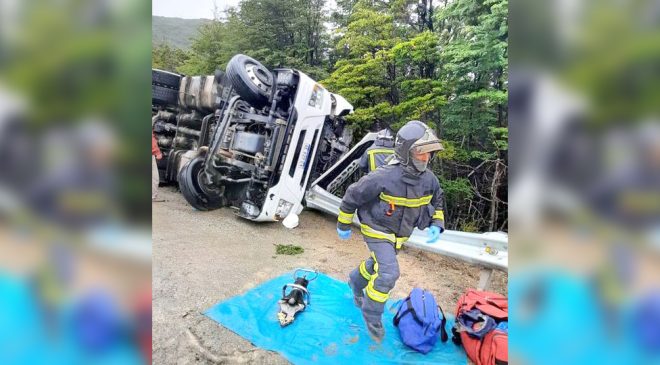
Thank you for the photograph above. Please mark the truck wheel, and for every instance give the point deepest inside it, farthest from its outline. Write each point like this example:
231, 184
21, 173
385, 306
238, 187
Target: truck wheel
250, 79
169, 80
193, 189
163, 96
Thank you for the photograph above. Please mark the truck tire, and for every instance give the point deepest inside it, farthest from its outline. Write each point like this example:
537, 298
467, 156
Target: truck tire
163, 96
193, 191
250, 79
166, 79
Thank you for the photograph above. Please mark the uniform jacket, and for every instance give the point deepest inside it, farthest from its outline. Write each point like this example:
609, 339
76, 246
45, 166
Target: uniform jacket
375, 157
391, 202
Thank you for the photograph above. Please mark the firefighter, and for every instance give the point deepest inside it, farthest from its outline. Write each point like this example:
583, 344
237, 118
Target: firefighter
390, 202
376, 155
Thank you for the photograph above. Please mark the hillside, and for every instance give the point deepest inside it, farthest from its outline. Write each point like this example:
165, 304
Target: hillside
176, 32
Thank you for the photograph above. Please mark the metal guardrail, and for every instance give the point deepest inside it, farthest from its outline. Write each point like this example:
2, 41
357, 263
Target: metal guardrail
488, 250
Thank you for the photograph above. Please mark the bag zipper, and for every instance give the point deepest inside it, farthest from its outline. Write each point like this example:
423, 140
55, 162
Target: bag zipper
424, 308
424, 302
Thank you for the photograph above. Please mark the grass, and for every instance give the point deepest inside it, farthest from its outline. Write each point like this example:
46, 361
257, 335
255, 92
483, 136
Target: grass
288, 250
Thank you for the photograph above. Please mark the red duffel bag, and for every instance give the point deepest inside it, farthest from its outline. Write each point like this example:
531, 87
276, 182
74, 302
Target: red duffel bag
480, 329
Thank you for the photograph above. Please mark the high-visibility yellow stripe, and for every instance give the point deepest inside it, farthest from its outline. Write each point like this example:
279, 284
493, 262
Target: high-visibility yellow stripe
374, 294
406, 202
345, 218
373, 255
439, 214
372, 157
382, 150
370, 290
363, 271
370, 232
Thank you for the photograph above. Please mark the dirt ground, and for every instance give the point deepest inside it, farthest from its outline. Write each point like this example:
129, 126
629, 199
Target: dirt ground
201, 258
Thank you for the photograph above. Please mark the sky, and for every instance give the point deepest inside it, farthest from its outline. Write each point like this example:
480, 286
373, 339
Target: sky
189, 9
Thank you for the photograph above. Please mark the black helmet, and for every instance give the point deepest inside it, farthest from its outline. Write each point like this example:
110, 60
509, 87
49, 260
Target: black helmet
385, 138
415, 135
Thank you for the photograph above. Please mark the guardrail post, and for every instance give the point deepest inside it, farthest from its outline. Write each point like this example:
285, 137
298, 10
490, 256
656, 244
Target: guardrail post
485, 275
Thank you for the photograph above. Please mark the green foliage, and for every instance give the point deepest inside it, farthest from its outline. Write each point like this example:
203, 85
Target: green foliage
168, 58
452, 152
288, 250
457, 191
501, 137
368, 31
470, 226
278, 33
216, 44
420, 51
481, 155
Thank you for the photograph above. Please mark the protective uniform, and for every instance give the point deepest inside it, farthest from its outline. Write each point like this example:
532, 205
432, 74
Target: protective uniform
390, 202
377, 154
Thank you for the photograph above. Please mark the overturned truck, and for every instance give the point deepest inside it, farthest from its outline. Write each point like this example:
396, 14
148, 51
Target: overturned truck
248, 138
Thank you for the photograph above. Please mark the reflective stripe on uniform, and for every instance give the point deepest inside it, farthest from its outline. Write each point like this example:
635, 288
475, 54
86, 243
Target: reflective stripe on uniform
370, 290
374, 294
345, 218
372, 157
373, 233
364, 272
439, 214
406, 202
373, 256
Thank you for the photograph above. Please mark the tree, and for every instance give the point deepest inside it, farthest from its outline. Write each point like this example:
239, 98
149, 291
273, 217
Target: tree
473, 37
168, 58
217, 42
366, 73
279, 33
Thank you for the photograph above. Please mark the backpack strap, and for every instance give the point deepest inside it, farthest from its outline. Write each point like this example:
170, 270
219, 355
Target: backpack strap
410, 310
441, 327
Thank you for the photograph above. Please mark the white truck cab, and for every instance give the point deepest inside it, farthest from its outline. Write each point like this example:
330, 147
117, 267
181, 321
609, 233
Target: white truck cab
314, 105
280, 131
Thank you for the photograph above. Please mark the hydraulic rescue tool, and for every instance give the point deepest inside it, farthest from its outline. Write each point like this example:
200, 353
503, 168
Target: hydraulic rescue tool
298, 297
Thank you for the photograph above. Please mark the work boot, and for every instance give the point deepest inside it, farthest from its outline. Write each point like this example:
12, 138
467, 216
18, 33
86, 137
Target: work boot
358, 295
374, 328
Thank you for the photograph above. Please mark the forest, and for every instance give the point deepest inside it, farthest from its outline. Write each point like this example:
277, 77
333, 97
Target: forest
444, 62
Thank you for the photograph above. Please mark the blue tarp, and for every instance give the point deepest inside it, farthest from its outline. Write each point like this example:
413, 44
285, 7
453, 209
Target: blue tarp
330, 330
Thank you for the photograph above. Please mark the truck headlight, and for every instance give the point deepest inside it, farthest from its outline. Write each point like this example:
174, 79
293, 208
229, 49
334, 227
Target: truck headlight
283, 208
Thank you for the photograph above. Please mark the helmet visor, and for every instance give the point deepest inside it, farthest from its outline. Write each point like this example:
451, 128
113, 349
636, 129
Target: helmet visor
427, 144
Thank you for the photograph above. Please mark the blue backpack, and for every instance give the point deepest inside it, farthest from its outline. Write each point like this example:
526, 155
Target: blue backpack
420, 320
